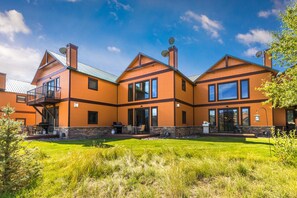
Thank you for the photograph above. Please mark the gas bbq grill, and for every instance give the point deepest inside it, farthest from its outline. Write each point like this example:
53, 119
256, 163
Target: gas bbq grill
117, 126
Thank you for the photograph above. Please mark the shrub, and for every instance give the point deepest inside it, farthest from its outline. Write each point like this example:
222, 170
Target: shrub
19, 166
285, 146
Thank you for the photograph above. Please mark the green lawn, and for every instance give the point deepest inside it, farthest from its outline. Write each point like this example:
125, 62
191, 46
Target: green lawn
202, 167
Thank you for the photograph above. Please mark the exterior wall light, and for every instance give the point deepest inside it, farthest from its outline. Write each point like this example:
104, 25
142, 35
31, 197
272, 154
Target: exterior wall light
75, 105
177, 105
257, 117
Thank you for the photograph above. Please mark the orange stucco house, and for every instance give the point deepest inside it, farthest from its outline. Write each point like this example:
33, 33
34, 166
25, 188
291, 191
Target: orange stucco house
14, 93
81, 101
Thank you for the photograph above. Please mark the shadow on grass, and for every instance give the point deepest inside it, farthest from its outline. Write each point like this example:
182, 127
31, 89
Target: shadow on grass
103, 142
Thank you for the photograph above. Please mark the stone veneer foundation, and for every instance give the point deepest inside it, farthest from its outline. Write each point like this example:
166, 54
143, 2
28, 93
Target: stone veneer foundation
83, 132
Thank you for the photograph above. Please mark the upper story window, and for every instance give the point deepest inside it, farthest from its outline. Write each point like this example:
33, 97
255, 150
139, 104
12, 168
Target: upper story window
211, 93
21, 99
142, 90
93, 84
184, 85
244, 89
154, 88
130, 92
58, 83
228, 91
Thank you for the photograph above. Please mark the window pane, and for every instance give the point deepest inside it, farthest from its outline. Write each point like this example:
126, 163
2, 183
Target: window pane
21, 99
183, 85
57, 84
184, 117
290, 117
228, 91
212, 117
130, 92
93, 84
130, 116
154, 88
142, 90
154, 116
211, 92
92, 117
245, 117
244, 88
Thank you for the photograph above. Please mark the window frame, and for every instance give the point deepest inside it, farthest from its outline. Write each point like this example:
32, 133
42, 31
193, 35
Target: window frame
18, 101
248, 88
96, 117
214, 95
184, 85
21, 119
184, 117
130, 99
215, 117
56, 84
156, 116
249, 116
151, 86
218, 90
94, 80
149, 94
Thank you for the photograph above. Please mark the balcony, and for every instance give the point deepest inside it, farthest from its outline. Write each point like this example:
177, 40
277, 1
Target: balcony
44, 95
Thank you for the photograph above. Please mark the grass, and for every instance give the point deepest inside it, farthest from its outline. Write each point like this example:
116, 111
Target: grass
203, 167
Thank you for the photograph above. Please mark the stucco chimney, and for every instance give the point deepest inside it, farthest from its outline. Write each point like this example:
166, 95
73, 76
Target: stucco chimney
267, 59
2, 82
71, 56
173, 61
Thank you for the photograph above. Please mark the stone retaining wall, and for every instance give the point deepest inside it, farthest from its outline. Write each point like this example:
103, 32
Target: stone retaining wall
83, 132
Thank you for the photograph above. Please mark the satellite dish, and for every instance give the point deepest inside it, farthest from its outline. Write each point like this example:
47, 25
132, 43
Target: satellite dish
259, 54
165, 53
171, 40
63, 50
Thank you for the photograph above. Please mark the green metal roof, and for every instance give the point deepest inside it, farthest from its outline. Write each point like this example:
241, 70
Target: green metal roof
17, 86
86, 69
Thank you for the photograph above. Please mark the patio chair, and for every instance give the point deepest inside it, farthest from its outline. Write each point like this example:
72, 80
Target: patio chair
141, 128
130, 129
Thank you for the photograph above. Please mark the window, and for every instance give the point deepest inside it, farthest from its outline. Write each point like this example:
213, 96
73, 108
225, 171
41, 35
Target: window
21, 120
21, 99
184, 117
211, 93
290, 116
130, 116
93, 84
245, 116
154, 88
244, 89
228, 91
183, 85
142, 90
58, 83
92, 117
130, 92
154, 116
212, 117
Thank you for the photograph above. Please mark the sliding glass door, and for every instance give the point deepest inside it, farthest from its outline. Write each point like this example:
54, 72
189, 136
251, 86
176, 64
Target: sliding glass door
228, 119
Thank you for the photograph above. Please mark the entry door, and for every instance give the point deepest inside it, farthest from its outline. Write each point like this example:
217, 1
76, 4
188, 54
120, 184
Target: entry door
142, 117
228, 119
50, 119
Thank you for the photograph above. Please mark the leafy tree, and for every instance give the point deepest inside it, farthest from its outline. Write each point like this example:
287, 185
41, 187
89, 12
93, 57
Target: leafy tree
19, 167
282, 90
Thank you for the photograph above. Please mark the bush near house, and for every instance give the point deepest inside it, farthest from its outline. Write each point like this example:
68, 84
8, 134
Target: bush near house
202, 167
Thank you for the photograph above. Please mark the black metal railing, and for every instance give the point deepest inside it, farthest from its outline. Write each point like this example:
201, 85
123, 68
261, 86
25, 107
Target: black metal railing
43, 93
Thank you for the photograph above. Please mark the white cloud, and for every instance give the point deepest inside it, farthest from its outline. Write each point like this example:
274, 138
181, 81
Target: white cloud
267, 13
255, 36
196, 28
278, 7
12, 22
114, 15
251, 52
118, 5
72, 1
212, 27
18, 62
113, 49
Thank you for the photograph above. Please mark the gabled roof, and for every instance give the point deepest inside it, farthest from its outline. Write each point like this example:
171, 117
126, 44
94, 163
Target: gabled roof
17, 86
86, 69
230, 56
155, 60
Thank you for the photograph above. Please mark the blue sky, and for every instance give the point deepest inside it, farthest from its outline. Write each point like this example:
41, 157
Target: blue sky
110, 33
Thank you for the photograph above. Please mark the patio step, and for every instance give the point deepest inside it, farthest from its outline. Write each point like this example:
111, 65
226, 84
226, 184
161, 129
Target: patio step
126, 136
247, 135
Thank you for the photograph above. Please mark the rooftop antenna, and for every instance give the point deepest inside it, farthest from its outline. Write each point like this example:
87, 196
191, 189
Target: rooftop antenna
165, 53
259, 54
63, 50
171, 41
